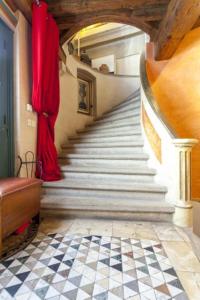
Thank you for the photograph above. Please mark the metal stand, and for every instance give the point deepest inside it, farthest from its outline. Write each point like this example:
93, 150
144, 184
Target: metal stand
29, 162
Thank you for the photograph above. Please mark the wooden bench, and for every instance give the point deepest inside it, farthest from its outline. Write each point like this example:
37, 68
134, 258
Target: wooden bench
19, 203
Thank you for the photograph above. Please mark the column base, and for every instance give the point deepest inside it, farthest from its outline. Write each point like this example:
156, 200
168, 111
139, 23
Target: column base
183, 216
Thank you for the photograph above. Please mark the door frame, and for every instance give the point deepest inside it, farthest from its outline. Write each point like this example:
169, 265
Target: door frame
10, 104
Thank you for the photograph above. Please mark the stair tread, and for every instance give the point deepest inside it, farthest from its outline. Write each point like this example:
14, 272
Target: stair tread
138, 205
129, 120
102, 145
129, 127
100, 170
108, 156
84, 184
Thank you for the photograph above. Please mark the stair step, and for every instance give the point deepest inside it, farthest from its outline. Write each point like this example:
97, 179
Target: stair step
108, 140
127, 101
134, 103
94, 189
138, 206
106, 134
103, 170
131, 157
130, 107
143, 174
103, 177
135, 129
116, 124
95, 149
116, 117
123, 205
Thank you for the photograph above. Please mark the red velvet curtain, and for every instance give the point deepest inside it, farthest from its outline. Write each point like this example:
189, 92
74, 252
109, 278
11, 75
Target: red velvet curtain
45, 94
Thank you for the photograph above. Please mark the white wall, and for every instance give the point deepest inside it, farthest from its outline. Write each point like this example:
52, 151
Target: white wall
127, 53
109, 60
128, 65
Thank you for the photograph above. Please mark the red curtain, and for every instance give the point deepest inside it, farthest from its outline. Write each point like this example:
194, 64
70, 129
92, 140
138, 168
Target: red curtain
45, 94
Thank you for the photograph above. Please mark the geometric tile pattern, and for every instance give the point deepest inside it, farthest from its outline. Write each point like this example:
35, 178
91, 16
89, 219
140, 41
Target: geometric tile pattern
58, 266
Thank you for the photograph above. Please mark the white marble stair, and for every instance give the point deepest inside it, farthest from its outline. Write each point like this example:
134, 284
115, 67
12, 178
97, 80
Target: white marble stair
105, 170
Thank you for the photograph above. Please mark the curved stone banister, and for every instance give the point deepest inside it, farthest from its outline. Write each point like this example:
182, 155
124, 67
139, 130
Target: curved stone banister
170, 155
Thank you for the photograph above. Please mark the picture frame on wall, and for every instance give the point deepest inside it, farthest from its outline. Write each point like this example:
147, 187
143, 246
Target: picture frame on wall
84, 96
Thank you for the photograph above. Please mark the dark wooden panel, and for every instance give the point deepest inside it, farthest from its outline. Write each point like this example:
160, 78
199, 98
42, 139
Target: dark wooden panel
60, 7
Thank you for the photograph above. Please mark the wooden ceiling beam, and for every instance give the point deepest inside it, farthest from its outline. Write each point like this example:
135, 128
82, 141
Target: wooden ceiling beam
25, 7
75, 7
11, 4
179, 20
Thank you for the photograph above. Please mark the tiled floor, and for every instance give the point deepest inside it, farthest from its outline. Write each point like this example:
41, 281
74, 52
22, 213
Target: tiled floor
85, 261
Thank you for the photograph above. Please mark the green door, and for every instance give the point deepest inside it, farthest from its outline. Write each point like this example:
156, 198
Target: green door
6, 102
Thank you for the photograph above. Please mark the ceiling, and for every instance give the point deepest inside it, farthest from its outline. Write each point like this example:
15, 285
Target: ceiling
73, 15
166, 21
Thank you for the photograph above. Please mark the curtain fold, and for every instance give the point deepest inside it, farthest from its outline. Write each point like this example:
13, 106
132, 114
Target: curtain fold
45, 93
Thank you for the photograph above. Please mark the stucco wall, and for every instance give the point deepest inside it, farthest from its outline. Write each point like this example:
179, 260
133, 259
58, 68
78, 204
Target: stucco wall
25, 121
111, 90
175, 84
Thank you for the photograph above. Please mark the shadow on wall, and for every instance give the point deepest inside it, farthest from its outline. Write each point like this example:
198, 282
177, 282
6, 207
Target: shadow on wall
176, 87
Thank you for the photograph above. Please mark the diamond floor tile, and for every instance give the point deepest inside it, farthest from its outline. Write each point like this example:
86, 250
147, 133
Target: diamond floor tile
58, 266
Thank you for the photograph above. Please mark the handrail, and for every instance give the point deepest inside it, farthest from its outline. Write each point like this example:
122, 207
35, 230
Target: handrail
150, 97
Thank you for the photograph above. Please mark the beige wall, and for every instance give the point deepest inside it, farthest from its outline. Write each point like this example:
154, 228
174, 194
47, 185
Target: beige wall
111, 90
25, 121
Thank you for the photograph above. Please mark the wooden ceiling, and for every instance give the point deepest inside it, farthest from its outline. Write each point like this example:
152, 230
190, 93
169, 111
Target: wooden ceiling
166, 21
73, 15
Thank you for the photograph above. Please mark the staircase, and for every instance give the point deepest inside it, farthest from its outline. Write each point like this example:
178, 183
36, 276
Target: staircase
105, 171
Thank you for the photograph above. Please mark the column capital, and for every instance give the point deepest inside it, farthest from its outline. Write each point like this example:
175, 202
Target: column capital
185, 143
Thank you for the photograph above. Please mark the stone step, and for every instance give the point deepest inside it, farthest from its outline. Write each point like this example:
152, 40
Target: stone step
135, 129
112, 150
95, 189
138, 159
98, 134
103, 148
121, 110
116, 124
111, 170
105, 177
142, 210
128, 104
117, 117
108, 140
128, 101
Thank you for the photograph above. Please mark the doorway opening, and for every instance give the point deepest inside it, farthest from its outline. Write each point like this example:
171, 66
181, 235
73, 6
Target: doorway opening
6, 102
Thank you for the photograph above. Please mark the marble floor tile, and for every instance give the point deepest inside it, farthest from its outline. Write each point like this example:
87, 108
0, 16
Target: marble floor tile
167, 232
54, 225
123, 229
191, 284
145, 231
82, 267
102, 227
182, 256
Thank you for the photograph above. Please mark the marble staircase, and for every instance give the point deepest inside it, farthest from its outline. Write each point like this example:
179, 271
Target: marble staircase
105, 171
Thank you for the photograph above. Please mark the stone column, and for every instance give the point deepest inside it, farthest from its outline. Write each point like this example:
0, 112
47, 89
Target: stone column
183, 213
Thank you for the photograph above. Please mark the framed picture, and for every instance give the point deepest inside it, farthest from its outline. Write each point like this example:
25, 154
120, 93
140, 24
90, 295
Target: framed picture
84, 96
